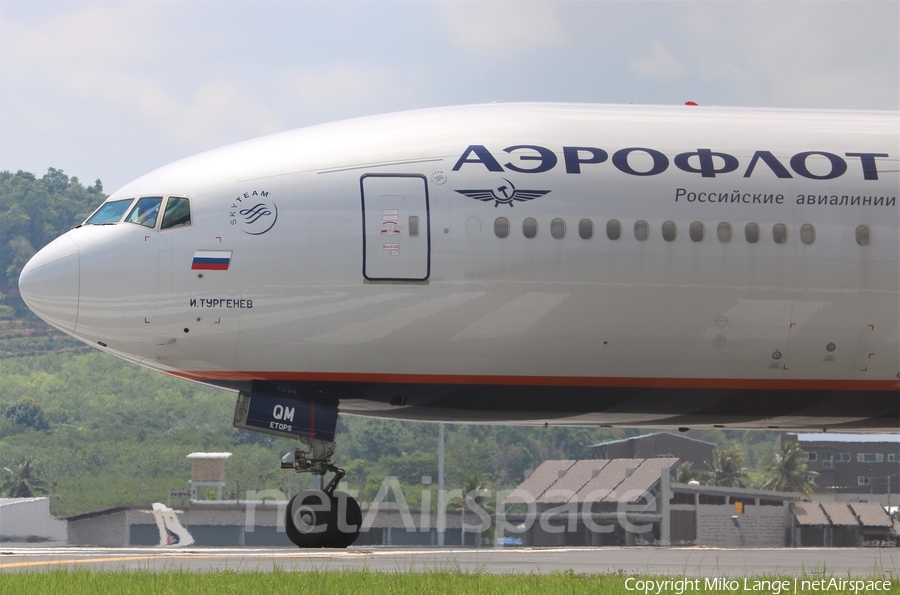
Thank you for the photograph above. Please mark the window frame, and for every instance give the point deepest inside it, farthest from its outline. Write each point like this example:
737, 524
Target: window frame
555, 223
645, 226
811, 230
776, 229
862, 457
585, 224
166, 206
505, 221
527, 221
727, 226
669, 228
696, 225
157, 218
747, 228
618, 227
106, 202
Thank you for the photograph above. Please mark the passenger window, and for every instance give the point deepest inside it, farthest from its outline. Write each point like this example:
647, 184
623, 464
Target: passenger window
529, 227
696, 231
779, 233
613, 229
558, 229
641, 230
413, 226
751, 232
724, 232
501, 227
178, 213
668, 231
862, 235
585, 229
109, 212
145, 211
807, 233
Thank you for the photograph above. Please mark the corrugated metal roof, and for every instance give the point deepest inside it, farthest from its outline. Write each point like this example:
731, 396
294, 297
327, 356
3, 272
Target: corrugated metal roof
566, 487
632, 488
14, 501
727, 491
839, 514
809, 513
98, 513
871, 514
595, 479
541, 479
623, 440
607, 480
828, 437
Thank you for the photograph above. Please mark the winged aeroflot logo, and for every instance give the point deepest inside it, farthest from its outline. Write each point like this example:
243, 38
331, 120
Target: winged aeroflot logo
504, 194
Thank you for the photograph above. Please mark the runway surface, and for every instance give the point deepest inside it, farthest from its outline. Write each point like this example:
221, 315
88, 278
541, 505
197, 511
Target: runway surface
689, 562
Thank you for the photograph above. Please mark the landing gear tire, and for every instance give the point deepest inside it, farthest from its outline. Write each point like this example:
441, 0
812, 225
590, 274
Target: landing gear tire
311, 519
348, 508
308, 517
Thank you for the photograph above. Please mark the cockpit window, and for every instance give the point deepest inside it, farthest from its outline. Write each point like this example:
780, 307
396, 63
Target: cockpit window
145, 211
178, 213
109, 212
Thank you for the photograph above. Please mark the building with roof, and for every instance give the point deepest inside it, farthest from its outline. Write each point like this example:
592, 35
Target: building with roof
207, 471
634, 502
257, 520
658, 445
840, 524
852, 467
28, 520
259, 523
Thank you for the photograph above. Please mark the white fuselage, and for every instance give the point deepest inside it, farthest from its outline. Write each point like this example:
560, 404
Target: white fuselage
367, 251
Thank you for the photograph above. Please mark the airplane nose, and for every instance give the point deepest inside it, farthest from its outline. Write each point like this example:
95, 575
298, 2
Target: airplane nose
49, 283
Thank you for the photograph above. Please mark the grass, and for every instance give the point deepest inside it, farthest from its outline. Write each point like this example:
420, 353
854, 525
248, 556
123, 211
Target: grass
76, 582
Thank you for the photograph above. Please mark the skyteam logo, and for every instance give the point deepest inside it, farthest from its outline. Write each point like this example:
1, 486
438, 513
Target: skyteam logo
254, 215
259, 218
504, 194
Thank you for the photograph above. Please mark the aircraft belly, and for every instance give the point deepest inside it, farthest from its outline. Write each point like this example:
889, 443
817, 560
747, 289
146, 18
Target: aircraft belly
658, 407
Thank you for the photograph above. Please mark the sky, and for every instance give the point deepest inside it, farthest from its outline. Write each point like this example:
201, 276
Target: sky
111, 90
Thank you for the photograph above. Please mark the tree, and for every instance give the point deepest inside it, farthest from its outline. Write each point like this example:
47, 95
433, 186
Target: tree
33, 211
22, 480
685, 473
727, 468
26, 412
787, 470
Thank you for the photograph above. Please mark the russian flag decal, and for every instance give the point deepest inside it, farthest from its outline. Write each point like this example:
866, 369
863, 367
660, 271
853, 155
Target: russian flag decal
211, 260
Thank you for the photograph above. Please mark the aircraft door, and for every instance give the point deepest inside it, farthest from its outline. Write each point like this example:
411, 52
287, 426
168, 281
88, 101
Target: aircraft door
396, 227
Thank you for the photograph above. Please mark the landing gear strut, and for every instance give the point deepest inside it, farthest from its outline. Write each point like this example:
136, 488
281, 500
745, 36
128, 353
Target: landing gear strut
320, 517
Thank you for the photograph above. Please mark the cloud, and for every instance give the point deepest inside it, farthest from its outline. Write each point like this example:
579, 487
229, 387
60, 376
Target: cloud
506, 27
798, 54
340, 84
659, 64
114, 56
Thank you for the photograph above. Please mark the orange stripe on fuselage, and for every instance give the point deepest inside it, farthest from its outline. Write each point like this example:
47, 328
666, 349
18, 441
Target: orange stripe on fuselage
583, 381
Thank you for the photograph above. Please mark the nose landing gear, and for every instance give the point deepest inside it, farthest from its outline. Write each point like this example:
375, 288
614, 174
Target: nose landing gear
315, 518
321, 517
